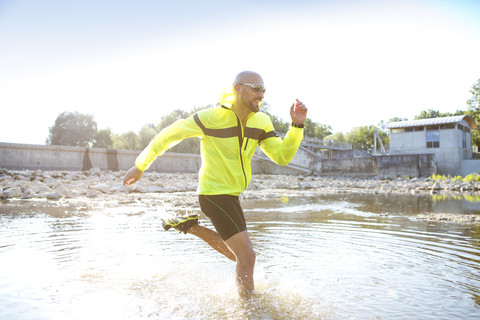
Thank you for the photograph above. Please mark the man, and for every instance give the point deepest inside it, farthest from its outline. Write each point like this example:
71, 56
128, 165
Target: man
230, 134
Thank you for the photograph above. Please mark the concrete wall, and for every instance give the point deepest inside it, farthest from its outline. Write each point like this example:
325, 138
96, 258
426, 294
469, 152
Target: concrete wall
408, 141
470, 166
33, 157
359, 167
418, 165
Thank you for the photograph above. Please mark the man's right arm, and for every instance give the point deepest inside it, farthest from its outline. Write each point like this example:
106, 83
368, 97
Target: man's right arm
165, 139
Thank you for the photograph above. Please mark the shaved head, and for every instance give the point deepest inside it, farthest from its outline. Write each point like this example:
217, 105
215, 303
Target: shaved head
248, 77
249, 90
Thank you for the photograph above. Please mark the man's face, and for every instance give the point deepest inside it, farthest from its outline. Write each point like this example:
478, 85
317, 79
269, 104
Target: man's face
250, 93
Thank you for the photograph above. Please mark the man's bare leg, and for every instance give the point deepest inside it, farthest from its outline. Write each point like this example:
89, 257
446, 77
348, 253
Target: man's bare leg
241, 246
213, 239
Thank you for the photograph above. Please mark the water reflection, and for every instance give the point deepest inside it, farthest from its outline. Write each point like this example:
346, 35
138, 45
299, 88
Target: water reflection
458, 197
323, 257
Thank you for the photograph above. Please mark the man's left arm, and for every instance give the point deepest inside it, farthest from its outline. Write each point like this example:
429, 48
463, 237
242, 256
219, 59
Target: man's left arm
283, 151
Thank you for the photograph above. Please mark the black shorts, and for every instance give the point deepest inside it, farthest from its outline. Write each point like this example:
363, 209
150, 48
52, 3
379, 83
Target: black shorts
225, 213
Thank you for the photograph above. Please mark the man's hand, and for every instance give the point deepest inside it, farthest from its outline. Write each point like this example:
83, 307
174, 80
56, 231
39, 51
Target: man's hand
132, 176
298, 112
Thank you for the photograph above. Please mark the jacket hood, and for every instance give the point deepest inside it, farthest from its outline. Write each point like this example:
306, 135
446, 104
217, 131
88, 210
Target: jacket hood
227, 96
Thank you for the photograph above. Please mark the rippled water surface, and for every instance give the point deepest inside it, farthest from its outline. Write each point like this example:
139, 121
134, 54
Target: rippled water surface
330, 257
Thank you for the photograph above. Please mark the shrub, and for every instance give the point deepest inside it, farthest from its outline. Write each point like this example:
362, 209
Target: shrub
438, 177
472, 177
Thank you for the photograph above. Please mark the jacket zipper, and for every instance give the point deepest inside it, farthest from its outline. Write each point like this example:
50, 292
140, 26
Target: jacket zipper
240, 142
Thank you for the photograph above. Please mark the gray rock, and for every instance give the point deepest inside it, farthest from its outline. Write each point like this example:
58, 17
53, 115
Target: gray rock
140, 188
55, 174
37, 187
50, 182
94, 171
282, 185
53, 196
63, 191
15, 192
154, 189
305, 185
73, 176
104, 188
436, 186
92, 194
79, 189
118, 187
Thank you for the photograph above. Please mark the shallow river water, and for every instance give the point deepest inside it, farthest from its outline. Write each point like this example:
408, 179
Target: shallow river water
325, 257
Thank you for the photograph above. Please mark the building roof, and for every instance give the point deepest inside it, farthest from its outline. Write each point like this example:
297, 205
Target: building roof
433, 121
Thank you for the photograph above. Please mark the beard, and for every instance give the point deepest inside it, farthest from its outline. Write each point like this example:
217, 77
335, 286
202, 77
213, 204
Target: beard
254, 105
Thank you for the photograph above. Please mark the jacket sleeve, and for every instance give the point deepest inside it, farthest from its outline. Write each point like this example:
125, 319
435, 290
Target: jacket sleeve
165, 139
283, 151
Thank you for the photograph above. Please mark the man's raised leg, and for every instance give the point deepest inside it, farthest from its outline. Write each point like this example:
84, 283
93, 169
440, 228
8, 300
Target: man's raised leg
213, 239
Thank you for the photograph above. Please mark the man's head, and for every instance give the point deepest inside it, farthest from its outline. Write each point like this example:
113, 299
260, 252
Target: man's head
249, 90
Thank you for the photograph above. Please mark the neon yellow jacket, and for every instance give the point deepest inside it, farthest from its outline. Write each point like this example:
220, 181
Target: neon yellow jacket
226, 148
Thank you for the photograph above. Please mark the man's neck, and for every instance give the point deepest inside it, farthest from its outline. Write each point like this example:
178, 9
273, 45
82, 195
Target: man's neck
242, 113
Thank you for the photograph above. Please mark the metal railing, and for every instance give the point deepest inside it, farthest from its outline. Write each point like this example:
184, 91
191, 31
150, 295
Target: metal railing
326, 144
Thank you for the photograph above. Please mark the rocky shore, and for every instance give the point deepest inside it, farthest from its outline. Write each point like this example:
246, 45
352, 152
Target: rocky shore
92, 184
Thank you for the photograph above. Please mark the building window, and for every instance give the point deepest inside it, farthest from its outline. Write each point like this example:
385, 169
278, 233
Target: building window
413, 129
433, 138
448, 126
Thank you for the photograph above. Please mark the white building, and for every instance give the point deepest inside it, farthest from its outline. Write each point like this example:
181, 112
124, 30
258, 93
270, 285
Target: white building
449, 138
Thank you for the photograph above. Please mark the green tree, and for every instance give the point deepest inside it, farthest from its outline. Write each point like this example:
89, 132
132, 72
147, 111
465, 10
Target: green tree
397, 119
362, 138
146, 134
103, 139
279, 125
187, 145
170, 118
316, 130
474, 111
126, 141
429, 114
337, 136
73, 129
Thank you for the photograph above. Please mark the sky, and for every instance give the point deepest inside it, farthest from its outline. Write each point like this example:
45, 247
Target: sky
128, 63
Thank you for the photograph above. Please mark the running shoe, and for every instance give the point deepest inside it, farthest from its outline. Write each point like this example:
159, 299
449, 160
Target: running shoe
182, 224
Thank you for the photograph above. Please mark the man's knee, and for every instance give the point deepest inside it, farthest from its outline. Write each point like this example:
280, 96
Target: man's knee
242, 248
247, 256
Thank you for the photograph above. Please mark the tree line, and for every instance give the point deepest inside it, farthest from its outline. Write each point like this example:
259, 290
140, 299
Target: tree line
76, 129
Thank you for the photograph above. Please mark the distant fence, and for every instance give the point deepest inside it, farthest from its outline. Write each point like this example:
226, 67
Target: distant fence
317, 143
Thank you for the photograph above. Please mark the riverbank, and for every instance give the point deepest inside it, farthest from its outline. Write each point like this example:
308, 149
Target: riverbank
97, 184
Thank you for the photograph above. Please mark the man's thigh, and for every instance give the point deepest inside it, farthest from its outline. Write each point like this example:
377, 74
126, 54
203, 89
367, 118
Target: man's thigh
225, 213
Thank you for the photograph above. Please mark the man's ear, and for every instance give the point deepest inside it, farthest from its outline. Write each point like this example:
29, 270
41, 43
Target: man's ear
236, 88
